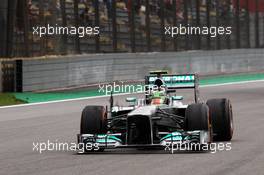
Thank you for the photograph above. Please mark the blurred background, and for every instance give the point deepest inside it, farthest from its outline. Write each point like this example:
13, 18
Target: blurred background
127, 25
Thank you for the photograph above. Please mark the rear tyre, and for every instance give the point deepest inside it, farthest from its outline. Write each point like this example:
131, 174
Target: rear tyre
93, 121
222, 118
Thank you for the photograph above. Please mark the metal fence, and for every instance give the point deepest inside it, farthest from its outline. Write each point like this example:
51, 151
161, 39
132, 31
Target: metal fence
128, 25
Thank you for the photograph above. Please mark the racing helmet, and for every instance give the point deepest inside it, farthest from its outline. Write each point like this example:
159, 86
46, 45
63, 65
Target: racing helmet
159, 82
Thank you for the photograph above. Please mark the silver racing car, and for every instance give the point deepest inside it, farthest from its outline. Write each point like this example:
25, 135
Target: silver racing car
160, 120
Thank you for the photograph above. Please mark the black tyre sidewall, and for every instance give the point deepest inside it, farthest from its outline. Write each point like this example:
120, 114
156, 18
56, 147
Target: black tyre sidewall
197, 117
222, 118
93, 120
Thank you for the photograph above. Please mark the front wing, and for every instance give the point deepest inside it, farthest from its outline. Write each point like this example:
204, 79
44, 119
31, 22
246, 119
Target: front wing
168, 141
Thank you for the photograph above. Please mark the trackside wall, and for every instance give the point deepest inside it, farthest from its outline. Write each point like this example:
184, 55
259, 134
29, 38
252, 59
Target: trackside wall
1, 78
71, 71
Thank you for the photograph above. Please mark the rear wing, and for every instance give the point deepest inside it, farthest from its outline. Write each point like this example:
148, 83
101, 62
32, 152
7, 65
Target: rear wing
173, 82
156, 72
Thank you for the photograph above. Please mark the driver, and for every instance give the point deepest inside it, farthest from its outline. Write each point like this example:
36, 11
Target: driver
158, 96
159, 81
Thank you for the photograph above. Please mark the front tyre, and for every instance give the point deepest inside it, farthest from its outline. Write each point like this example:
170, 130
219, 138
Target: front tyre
222, 118
197, 117
94, 121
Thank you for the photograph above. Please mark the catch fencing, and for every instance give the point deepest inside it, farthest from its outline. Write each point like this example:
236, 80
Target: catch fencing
127, 25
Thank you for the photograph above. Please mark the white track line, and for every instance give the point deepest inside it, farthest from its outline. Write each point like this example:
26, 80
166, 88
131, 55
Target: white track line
233, 83
95, 97
59, 101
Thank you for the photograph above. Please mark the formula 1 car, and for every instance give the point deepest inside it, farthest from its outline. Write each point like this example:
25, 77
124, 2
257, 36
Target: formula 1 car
158, 120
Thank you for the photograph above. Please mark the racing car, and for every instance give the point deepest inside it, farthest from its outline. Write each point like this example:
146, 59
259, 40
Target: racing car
159, 119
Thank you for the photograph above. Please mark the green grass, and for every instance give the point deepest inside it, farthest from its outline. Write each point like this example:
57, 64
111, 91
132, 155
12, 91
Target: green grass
9, 99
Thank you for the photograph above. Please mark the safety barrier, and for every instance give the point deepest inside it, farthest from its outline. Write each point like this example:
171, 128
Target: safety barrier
82, 70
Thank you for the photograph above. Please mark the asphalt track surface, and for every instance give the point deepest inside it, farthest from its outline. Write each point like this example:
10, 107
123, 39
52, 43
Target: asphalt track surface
21, 126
